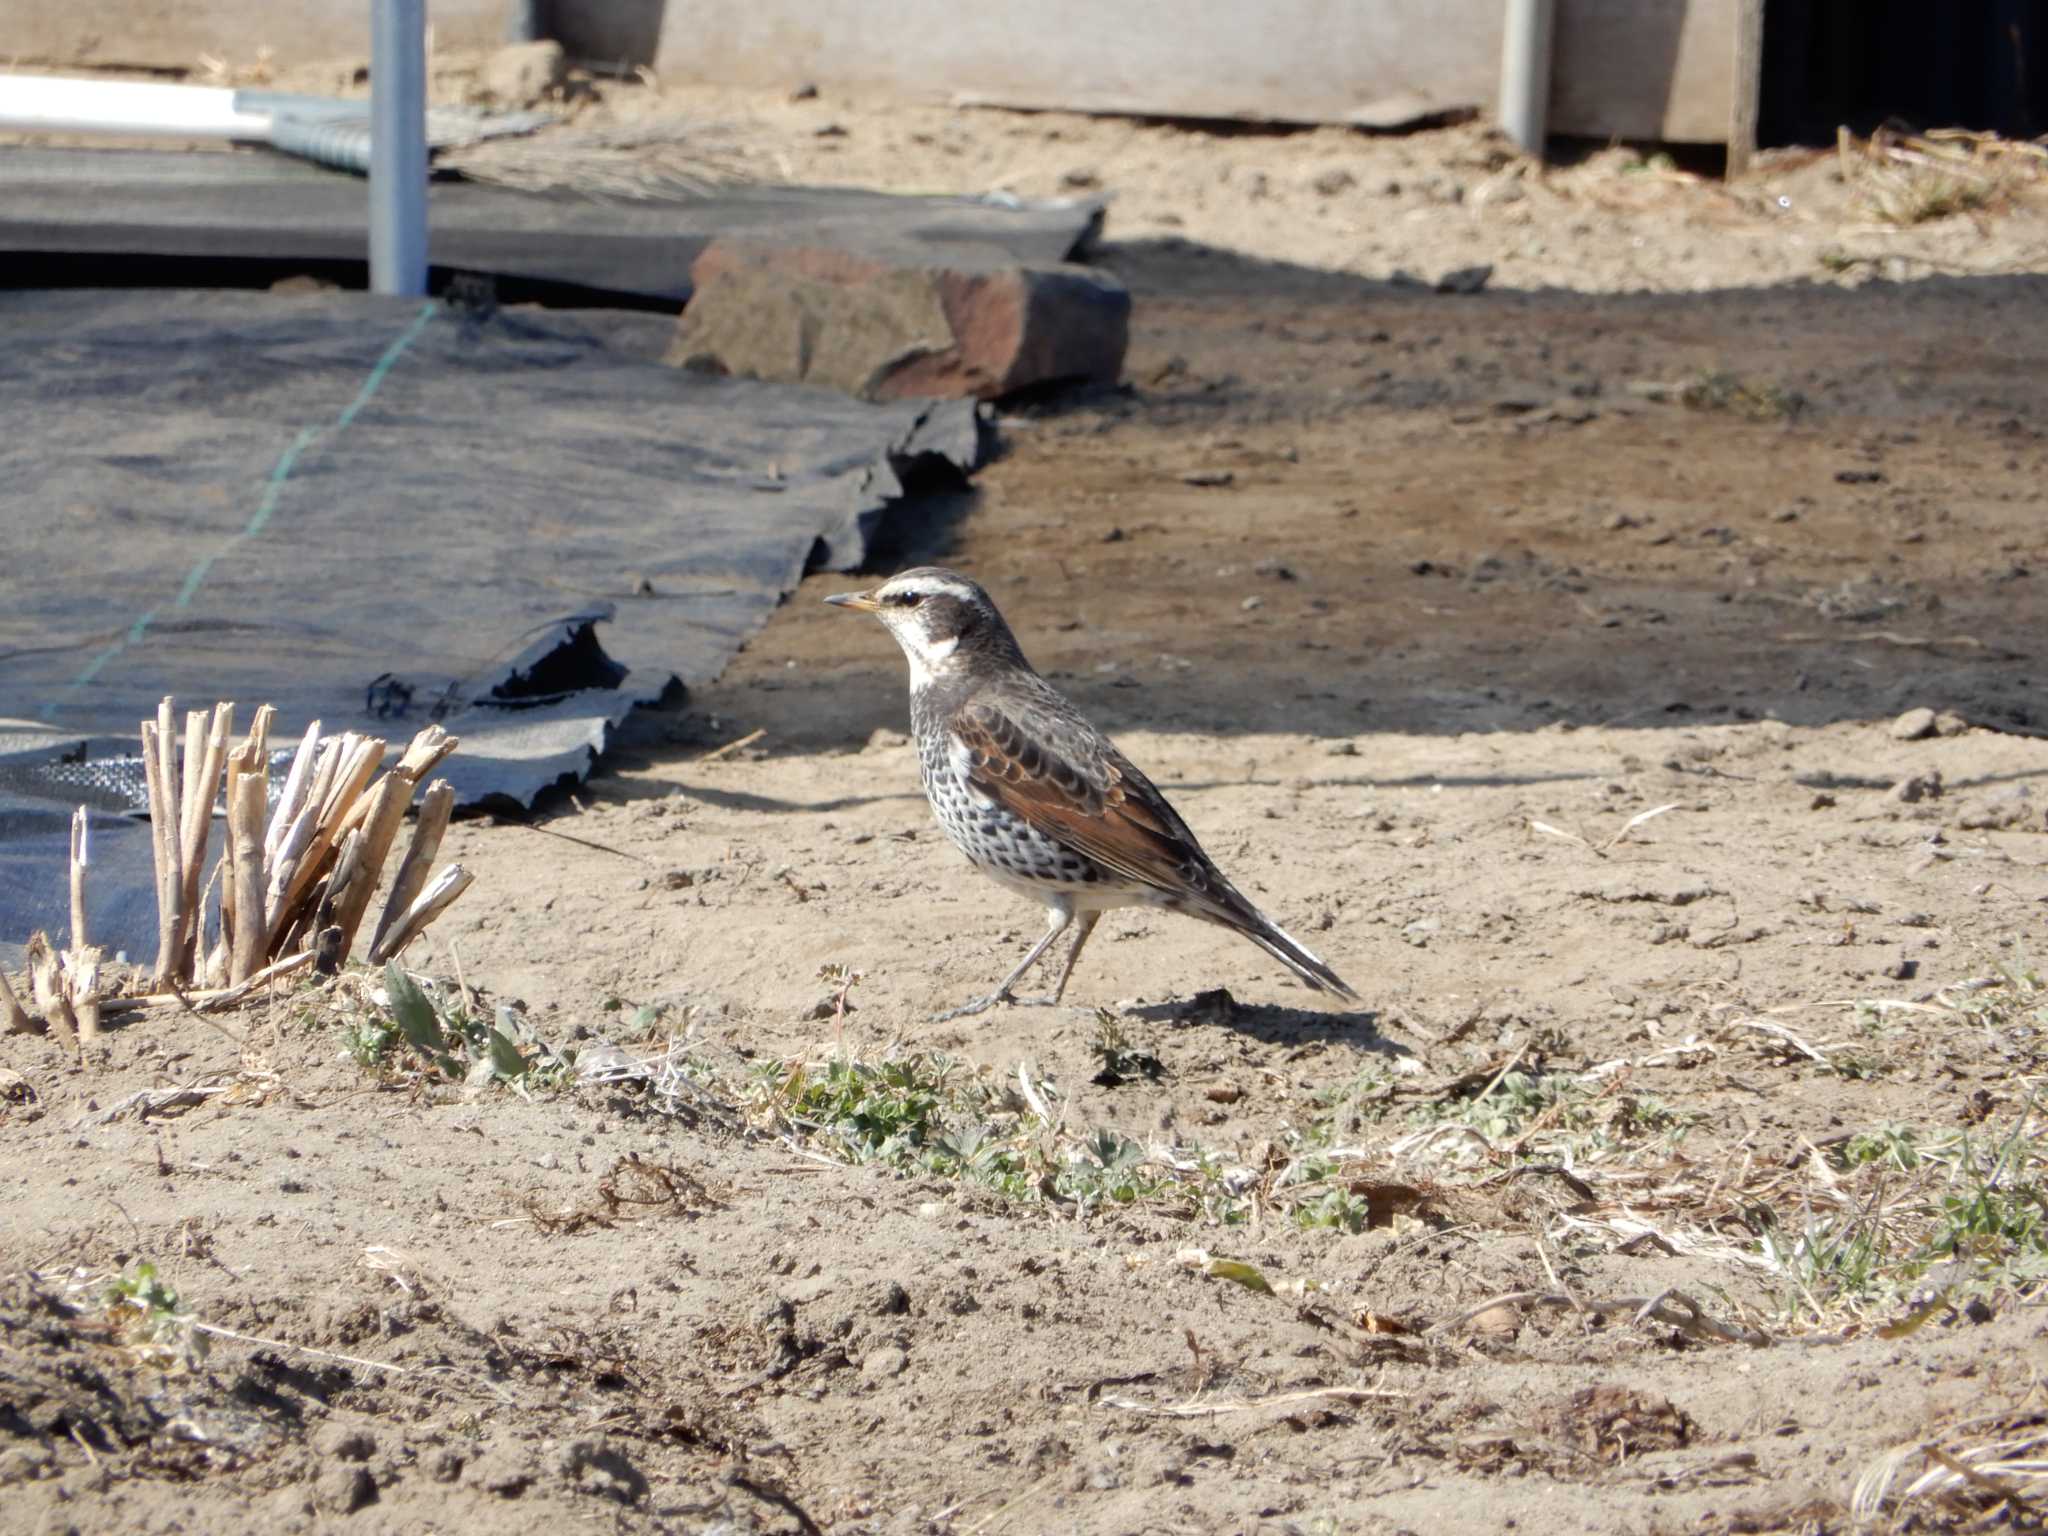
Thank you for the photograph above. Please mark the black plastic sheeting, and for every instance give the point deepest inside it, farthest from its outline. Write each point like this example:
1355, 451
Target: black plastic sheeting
257, 206
379, 513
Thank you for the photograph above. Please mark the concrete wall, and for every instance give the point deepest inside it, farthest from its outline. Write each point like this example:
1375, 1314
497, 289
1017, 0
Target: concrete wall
1648, 69
174, 34
1652, 69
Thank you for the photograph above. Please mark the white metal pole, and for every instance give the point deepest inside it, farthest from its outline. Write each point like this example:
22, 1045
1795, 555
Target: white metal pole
49, 104
1525, 72
398, 147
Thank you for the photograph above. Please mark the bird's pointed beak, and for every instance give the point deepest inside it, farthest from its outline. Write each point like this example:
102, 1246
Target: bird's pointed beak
862, 602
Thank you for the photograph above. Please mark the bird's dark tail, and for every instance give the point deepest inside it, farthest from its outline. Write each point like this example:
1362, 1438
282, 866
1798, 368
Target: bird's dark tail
1284, 947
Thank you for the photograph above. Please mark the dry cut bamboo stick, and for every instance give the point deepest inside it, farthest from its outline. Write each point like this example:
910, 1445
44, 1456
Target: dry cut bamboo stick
361, 756
18, 1021
206, 748
388, 802
248, 943
436, 805
209, 999
46, 978
297, 780
81, 860
79, 966
81, 979
430, 904
162, 825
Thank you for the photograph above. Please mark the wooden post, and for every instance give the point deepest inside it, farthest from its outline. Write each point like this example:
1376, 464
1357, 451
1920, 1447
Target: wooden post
1747, 86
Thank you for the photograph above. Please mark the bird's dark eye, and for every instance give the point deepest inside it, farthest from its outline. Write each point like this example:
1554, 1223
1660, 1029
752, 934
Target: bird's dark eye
905, 599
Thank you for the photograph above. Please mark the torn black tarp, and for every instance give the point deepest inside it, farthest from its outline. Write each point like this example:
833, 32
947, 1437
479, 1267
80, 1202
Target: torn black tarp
145, 205
380, 513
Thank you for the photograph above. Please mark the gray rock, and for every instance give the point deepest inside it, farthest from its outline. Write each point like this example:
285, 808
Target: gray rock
1914, 788
1914, 725
2000, 810
345, 1442
1465, 279
343, 1490
881, 1364
500, 1470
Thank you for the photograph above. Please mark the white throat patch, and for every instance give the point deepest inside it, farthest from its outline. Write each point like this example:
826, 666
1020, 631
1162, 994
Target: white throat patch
929, 658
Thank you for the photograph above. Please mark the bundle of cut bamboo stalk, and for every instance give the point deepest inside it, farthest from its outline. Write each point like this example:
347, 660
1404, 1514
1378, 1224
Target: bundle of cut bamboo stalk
295, 879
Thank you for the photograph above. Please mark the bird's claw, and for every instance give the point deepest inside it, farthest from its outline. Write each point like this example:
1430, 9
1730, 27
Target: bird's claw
969, 1010
983, 1004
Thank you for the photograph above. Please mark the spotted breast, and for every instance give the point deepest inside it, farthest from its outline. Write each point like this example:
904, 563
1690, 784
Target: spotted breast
999, 842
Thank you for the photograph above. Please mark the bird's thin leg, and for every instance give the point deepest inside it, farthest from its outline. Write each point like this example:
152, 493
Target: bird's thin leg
1087, 926
1057, 916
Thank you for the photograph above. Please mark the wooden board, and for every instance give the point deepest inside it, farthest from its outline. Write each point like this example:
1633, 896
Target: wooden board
1646, 69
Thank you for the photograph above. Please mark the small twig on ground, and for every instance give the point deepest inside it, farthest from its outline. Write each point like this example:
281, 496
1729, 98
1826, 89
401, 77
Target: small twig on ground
733, 746
1982, 1481
1636, 821
1508, 1066
1570, 837
1765, 1026
582, 842
1222, 1405
768, 1493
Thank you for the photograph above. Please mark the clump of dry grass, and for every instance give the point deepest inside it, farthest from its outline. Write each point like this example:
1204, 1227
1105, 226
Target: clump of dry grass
1909, 179
1974, 1469
1753, 399
607, 164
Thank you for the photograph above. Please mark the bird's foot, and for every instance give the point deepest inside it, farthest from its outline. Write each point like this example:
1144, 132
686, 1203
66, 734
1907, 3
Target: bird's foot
969, 1010
983, 1004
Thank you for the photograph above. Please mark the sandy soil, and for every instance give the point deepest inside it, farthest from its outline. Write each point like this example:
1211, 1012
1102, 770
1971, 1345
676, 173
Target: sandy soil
1415, 602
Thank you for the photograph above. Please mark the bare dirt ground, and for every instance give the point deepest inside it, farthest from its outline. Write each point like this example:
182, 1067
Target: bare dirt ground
1677, 1169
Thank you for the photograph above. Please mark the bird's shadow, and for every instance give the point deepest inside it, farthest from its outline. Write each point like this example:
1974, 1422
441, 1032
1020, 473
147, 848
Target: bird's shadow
1274, 1024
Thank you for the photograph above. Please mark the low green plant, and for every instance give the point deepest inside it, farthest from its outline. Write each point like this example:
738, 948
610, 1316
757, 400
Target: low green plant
151, 1318
1910, 1206
445, 1039
1121, 1059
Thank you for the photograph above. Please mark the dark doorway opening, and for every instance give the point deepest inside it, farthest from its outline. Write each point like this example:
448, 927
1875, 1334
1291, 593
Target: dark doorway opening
1980, 64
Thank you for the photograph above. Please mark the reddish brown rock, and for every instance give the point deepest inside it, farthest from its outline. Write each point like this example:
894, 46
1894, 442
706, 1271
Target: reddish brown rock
975, 324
